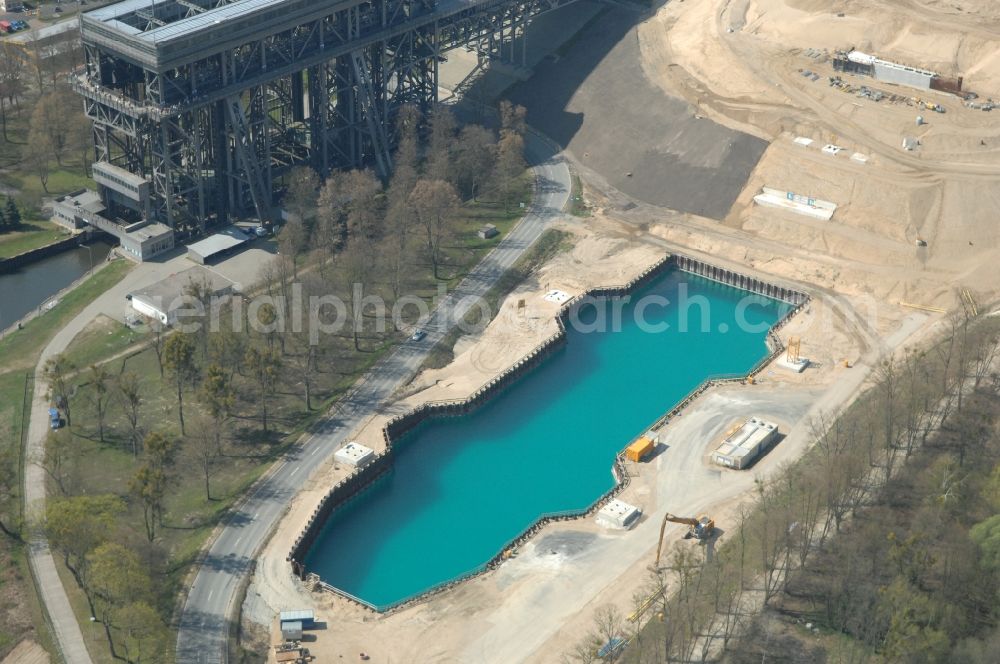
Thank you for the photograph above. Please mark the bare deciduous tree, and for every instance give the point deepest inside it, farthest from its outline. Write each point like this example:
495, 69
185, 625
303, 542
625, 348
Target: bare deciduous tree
434, 203
130, 396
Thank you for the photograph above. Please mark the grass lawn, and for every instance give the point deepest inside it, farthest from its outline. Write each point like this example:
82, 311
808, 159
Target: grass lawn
20, 349
61, 181
21, 614
33, 234
101, 339
11, 402
189, 517
577, 205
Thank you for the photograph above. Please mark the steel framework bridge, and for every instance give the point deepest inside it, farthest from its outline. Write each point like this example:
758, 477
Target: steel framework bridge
201, 107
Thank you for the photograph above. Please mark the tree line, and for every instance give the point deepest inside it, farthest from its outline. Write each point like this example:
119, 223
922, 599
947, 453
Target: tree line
437, 165
883, 531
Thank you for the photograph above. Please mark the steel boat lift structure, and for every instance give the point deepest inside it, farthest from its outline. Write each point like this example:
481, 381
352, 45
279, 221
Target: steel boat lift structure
201, 107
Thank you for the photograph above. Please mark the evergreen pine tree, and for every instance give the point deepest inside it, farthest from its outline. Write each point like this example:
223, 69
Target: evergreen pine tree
4, 226
13, 215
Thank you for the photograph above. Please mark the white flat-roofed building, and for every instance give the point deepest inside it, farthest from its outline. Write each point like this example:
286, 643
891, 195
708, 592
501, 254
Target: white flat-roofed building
354, 454
618, 514
218, 245
745, 444
165, 300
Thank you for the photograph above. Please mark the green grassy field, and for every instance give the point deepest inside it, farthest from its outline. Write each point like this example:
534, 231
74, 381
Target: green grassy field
61, 181
33, 234
577, 205
104, 338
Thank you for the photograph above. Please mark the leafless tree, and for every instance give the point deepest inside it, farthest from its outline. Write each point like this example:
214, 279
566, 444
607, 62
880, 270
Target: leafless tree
302, 193
206, 438
474, 159
100, 394
157, 341
435, 203
510, 164
12, 85
129, 394
60, 454
293, 242
513, 118
438, 165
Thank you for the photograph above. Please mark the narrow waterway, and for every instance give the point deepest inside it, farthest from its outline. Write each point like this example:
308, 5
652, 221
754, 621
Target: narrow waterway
34, 285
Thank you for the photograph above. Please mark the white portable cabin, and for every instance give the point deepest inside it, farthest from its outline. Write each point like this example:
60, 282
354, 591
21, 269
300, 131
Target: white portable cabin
355, 455
618, 515
745, 444
291, 630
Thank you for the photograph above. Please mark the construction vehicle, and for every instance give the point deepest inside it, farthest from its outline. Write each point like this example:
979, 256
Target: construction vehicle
701, 529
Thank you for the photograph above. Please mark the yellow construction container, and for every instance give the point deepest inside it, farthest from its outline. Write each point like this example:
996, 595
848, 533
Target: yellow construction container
639, 449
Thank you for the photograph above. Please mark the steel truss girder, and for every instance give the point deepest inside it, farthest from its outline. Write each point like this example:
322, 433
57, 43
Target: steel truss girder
216, 134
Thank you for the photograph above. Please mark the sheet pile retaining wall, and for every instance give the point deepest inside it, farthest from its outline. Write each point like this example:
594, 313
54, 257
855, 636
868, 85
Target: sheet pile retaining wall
402, 425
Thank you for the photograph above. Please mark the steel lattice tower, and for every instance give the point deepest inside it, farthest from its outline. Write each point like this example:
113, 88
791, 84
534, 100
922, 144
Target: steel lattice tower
200, 107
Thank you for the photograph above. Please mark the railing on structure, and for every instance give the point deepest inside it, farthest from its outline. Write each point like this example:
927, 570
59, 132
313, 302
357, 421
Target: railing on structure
402, 425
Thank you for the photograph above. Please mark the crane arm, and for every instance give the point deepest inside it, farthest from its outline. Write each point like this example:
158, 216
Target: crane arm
699, 529
680, 519
663, 526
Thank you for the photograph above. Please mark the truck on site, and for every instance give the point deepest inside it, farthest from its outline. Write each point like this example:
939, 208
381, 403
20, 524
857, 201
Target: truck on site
701, 529
55, 419
5, 26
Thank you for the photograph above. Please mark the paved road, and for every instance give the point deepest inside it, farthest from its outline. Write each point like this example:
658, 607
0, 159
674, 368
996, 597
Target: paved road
67, 634
203, 624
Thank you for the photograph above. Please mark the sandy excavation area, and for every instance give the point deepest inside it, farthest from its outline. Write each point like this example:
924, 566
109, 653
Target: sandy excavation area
911, 228
741, 63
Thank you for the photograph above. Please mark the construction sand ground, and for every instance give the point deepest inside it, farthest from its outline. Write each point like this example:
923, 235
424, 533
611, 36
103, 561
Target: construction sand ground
668, 157
736, 64
945, 193
546, 595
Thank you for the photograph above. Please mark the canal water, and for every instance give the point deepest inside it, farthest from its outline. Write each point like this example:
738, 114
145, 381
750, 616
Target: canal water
462, 488
33, 285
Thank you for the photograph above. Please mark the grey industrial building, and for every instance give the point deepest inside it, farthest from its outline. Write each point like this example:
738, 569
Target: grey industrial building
856, 62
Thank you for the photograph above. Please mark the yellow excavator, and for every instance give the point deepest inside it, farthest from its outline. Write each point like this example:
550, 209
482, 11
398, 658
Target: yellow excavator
701, 529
